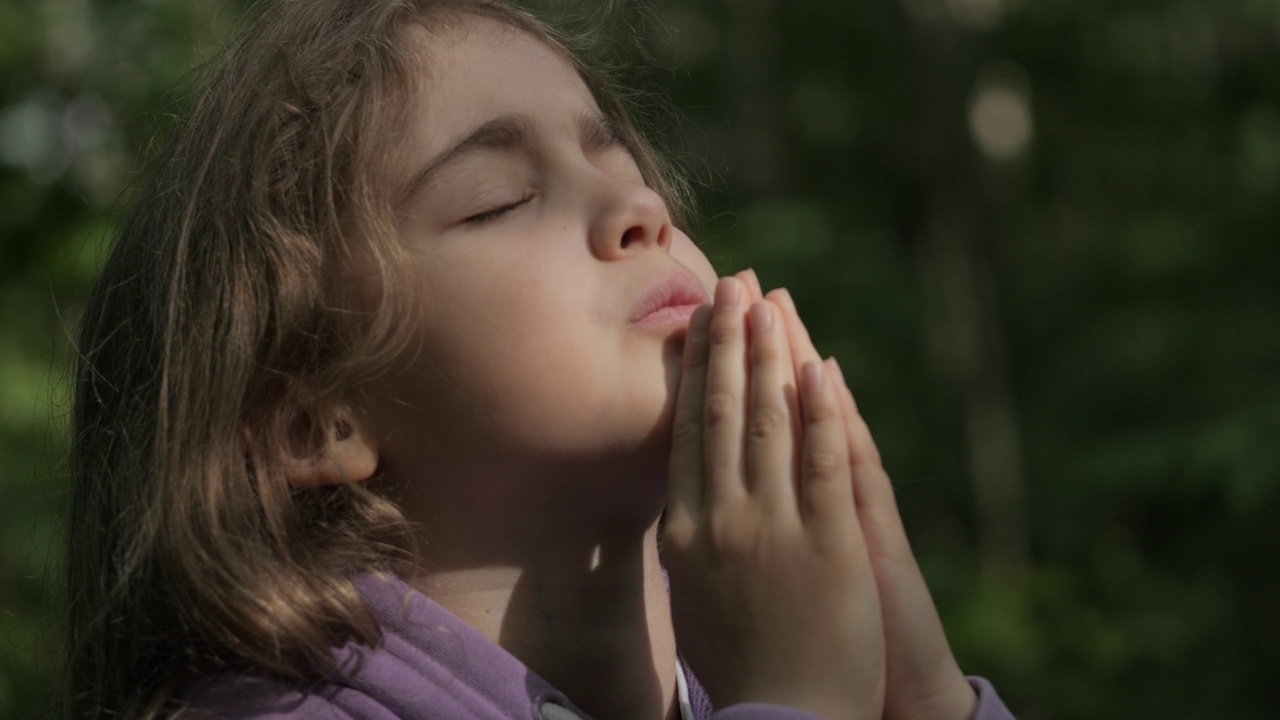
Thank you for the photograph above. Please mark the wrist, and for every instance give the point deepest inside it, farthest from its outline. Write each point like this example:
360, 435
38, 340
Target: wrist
961, 705
957, 701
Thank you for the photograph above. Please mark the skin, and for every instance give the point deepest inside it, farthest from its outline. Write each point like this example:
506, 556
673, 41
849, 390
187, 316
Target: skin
803, 574
529, 436
537, 433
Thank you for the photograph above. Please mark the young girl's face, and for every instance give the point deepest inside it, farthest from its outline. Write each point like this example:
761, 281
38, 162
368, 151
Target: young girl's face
540, 252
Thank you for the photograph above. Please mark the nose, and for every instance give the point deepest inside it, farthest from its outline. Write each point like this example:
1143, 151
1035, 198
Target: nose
630, 217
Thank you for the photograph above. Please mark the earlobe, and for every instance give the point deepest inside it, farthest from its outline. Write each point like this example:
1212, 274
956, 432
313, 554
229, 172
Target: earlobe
335, 450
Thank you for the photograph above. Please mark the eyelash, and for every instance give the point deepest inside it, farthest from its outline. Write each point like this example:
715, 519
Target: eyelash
613, 140
495, 213
617, 141
615, 137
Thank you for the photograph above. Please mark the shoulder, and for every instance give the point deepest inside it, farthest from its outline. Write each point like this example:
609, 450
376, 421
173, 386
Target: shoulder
256, 698
429, 665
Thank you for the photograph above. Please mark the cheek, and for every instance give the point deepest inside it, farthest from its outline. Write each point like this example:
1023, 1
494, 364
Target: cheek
688, 254
506, 320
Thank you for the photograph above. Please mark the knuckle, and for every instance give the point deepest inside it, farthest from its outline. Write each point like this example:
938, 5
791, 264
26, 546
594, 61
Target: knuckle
727, 532
719, 409
767, 422
824, 465
723, 331
821, 414
685, 426
765, 352
678, 533
695, 357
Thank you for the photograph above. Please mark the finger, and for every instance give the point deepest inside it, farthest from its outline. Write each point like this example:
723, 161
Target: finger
872, 489
770, 448
917, 654
802, 349
862, 447
725, 394
686, 483
826, 490
752, 283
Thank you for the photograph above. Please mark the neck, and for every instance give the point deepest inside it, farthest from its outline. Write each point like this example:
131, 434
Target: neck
590, 617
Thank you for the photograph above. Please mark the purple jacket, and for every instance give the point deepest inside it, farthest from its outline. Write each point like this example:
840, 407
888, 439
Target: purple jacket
432, 665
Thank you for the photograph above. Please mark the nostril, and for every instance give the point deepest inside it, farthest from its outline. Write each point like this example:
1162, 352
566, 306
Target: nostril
633, 234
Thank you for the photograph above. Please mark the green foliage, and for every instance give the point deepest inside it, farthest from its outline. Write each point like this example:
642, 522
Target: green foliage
83, 91
1039, 236
1112, 282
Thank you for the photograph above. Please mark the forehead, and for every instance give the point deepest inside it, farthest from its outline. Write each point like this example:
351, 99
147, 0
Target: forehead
476, 69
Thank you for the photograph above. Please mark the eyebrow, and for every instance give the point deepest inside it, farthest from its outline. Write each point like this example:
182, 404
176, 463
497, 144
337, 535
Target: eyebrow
509, 133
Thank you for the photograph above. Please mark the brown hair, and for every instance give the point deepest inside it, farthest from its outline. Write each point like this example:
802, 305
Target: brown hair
218, 314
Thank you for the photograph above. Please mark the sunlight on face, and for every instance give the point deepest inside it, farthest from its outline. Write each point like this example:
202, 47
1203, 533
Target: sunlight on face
556, 289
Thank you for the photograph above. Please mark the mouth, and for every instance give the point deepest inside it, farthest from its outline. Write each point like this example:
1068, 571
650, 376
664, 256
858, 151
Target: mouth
670, 301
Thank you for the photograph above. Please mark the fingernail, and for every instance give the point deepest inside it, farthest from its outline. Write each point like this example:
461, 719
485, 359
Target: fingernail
811, 375
785, 296
728, 290
835, 367
761, 318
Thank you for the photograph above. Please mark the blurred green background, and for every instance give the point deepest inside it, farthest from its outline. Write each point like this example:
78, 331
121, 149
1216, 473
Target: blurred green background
1040, 235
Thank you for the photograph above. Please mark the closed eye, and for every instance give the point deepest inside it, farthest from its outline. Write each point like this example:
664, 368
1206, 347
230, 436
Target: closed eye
600, 133
495, 213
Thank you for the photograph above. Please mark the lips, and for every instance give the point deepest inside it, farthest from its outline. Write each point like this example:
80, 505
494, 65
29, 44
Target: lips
672, 299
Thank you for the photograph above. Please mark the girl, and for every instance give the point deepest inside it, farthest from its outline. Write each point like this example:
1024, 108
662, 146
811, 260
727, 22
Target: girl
388, 382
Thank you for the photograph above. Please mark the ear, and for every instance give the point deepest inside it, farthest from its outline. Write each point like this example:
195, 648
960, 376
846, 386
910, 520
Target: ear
328, 448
